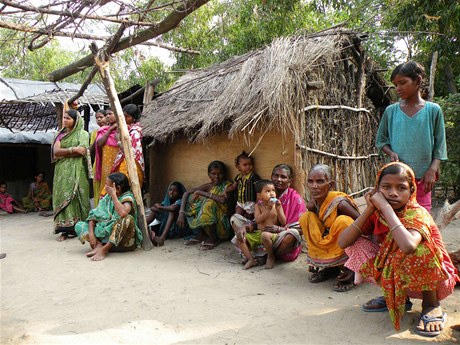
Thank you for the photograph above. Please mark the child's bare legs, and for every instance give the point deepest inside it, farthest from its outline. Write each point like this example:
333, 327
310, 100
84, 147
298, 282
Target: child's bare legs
268, 244
432, 308
160, 240
102, 252
243, 245
94, 250
19, 209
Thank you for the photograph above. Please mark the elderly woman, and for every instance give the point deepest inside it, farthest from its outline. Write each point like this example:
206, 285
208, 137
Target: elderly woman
329, 213
71, 181
286, 243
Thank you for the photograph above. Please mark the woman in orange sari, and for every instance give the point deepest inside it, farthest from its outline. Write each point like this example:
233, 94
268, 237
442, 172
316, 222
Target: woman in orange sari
328, 214
409, 258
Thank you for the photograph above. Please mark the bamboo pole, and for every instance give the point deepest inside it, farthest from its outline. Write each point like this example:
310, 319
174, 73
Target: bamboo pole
127, 148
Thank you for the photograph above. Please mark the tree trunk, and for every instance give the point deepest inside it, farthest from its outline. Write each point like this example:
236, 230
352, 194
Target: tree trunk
169, 23
128, 150
450, 79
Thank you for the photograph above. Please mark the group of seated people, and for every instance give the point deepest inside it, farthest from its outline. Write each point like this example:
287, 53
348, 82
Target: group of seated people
394, 242
38, 197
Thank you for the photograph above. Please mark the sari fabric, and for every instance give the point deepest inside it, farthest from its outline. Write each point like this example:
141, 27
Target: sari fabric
428, 268
6, 202
71, 184
322, 231
104, 160
41, 193
293, 205
135, 133
122, 232
205, 212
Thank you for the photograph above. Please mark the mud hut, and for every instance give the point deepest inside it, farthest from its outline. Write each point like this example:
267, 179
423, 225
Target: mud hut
302, 100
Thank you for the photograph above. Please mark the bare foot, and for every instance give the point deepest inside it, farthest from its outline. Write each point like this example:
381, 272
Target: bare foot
61, 238
251, 262
270, 263
244, 260
100, 255
346, 276
159, 241
94, 251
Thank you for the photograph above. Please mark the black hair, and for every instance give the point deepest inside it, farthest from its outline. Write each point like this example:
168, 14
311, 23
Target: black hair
40, 172
324, 168
243, 155
2, 183
285, 167
73, 114
261, 184
217, 165
133, 111
120, 180
180, 187
397, 169
413, 70
101, 111
109, 109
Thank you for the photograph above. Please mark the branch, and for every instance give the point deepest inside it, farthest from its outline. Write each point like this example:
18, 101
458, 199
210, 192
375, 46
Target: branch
169, 23
25, 28
72, 15
302, 147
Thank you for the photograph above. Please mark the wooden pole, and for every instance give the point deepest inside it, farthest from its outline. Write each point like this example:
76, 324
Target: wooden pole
434, 61
127, 147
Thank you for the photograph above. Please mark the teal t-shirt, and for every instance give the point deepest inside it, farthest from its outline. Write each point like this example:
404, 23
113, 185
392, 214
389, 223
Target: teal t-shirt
418, 139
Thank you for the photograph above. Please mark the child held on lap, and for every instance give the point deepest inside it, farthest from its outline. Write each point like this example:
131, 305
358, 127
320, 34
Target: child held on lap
410, 260
268, 214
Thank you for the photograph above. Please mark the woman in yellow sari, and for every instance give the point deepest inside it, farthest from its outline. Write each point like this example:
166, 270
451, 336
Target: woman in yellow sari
328, 214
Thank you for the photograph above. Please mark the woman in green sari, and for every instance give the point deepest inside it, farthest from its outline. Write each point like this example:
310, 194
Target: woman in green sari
205, 209
71, 175
112, 225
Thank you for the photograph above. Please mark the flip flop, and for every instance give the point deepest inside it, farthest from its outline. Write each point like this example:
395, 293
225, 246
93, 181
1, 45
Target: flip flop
192, 242
427, 319
381, 305
322, 275
208, 245
343, 286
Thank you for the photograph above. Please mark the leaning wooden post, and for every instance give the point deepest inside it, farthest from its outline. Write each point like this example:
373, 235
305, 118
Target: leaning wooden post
127, 147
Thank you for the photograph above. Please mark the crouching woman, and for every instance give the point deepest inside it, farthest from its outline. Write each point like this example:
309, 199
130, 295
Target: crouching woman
112, 225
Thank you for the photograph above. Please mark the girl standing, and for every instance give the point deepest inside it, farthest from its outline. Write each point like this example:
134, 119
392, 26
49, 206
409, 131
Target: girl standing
410, 259
412, 131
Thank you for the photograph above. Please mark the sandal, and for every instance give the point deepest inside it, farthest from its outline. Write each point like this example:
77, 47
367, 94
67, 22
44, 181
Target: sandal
379, 305
343, 286
62, 237
192, 242
427, 319
322, 275
208, 245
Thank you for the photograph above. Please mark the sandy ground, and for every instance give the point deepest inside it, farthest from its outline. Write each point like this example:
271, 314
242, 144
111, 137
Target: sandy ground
52, 294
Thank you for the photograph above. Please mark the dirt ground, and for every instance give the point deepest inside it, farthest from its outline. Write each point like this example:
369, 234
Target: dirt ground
52, 294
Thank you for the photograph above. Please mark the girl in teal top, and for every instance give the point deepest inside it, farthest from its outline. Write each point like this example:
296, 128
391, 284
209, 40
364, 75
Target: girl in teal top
412, 131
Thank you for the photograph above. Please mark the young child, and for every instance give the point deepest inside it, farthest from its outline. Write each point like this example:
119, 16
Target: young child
410, 259
412, 131
244, 183
268, 214
166, 212
7, 202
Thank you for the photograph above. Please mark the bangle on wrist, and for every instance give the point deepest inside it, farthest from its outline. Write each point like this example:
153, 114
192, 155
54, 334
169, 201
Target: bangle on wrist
210, 194
396, 226
70, 149
181, 211
357, 227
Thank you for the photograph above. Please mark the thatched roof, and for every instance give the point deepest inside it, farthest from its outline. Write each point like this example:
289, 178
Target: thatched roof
264, 89
29, 105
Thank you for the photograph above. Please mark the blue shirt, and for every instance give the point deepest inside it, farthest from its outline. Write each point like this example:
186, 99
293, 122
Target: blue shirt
418, 139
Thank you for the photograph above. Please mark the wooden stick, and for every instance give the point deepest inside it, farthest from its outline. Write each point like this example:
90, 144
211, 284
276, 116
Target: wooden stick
310, 107
127, 147
434, 61
302, 147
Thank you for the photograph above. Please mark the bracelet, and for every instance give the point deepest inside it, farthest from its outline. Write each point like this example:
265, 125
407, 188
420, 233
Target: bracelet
70, 149
357, 227
394, 227
181, 211
210, 195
